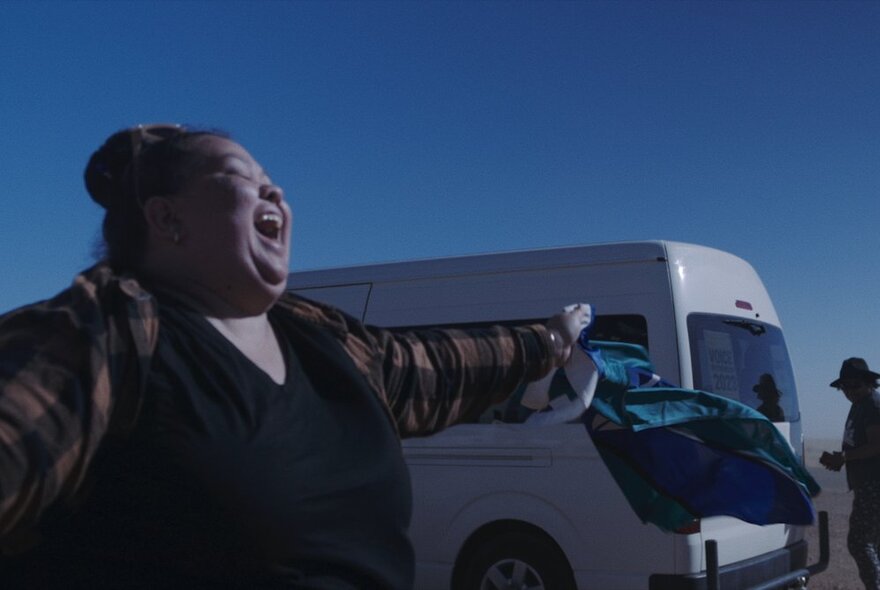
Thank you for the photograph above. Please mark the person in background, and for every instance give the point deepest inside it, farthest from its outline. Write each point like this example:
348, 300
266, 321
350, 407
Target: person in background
769, 395
861, 455
175, 419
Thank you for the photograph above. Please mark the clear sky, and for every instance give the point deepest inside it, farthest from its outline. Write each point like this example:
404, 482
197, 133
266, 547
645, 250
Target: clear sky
421, 129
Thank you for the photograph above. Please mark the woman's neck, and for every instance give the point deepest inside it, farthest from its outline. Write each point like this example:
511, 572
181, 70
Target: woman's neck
207, 300
255, 338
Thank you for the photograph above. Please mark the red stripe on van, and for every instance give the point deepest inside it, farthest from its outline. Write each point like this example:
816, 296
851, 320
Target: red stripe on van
689, 529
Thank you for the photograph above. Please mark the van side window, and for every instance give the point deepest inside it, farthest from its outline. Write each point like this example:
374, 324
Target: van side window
614, 328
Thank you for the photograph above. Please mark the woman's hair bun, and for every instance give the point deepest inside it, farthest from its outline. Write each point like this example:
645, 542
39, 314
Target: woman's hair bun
105, 174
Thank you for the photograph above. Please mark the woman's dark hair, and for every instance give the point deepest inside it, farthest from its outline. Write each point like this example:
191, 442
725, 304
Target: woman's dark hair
133, 165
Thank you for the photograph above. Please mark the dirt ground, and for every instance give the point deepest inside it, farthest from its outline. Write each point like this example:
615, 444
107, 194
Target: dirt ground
836, 500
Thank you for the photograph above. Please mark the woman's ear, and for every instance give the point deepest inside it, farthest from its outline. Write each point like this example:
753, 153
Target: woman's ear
161, 217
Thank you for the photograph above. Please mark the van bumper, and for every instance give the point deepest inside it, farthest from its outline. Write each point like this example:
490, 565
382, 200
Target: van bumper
742, 574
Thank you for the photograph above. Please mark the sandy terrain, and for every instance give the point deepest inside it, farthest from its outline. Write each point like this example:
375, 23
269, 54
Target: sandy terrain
836, 500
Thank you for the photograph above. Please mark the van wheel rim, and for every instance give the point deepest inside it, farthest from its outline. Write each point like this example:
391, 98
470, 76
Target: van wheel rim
511, 573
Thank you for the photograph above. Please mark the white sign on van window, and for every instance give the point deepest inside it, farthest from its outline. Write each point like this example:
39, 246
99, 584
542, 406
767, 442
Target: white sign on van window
722, 364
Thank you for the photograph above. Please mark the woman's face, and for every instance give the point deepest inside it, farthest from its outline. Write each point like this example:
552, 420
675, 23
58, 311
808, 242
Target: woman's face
234, 226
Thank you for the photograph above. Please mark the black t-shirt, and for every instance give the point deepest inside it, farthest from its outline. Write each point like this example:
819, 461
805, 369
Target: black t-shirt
231, 480
863, 413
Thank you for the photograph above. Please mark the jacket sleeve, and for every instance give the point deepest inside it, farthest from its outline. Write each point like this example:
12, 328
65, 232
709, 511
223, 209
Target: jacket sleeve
432, 379
57, 363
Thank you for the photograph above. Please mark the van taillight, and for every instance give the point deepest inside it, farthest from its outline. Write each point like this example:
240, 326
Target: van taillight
740, 304
689, 529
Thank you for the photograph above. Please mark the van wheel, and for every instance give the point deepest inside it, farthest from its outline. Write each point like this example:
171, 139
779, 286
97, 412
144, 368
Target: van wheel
517, 560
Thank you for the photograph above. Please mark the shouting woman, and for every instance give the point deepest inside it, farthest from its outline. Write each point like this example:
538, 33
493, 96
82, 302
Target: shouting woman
175, 419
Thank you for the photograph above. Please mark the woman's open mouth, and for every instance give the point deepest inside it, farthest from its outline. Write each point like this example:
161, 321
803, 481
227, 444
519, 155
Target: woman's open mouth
269, 224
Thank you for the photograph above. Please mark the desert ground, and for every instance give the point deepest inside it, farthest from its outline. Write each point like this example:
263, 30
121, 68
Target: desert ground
836, 500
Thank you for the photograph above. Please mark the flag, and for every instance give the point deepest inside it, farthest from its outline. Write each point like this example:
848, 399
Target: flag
679, 454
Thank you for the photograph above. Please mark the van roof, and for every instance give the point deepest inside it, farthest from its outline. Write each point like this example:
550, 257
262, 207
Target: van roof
518, 260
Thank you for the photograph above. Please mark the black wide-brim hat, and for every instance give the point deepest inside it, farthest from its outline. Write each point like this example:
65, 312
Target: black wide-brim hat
766, 385
855, 368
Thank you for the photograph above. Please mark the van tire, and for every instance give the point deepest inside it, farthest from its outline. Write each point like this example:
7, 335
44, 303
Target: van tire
517, 560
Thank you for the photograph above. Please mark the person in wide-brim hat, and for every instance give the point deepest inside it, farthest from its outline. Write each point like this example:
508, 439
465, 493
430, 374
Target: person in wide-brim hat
855, 369
766, 387
769, 394
860, 453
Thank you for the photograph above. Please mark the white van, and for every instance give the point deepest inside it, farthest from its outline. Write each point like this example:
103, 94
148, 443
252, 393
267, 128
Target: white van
501, 504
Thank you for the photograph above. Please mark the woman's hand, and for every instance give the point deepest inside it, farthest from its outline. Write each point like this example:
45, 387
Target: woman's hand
565, 329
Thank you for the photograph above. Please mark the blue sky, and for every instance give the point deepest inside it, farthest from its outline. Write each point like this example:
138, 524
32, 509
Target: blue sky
420, 129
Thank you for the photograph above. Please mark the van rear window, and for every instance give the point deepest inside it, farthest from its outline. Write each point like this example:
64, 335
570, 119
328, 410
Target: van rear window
744, 360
